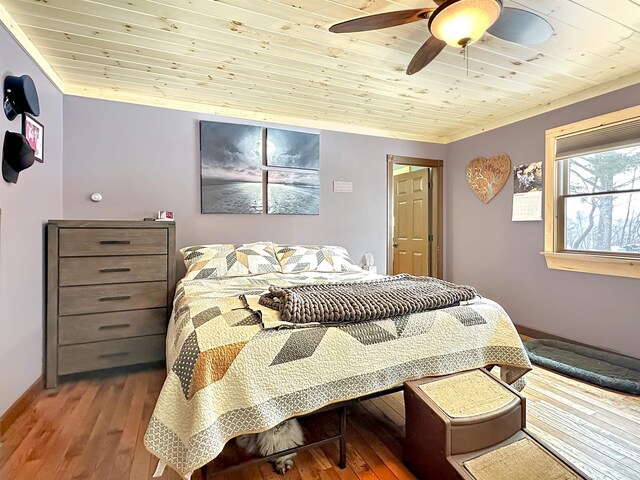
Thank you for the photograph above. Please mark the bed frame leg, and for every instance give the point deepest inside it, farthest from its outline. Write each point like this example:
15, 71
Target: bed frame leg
343, 437
203, 471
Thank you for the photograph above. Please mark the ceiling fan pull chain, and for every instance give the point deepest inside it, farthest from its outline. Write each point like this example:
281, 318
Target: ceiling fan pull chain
465, 56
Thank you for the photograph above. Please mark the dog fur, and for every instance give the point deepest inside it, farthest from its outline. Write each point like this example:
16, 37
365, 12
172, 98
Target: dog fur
284, 436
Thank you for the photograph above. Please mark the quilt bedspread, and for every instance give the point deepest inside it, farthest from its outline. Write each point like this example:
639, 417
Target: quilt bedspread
228, 376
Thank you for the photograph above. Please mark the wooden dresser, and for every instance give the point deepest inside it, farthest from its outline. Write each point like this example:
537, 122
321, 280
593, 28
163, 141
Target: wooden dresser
110, 287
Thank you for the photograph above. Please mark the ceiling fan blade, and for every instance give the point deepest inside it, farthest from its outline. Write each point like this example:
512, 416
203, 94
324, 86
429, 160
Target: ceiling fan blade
427, 52
520, 26
381, 20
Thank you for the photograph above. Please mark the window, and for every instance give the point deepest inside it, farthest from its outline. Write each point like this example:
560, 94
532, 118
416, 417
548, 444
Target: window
592, 195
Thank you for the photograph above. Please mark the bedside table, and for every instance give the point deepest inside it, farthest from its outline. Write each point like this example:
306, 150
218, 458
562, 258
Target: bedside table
110, 287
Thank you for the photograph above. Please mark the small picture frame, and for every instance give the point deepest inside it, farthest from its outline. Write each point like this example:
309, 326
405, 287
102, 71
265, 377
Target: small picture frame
165, 215
33, 131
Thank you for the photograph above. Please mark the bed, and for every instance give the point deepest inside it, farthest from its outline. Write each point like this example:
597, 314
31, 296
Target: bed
227, 375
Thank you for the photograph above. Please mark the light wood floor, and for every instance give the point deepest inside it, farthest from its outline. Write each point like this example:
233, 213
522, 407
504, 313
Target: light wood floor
94, 429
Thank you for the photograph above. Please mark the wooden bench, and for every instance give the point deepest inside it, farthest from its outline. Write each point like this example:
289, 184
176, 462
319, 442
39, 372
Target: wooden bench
471, 425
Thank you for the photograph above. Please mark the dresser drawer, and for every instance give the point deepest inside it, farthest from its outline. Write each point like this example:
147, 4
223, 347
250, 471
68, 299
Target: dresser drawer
97, 327
83, 242
112, 353
112, 298
101, 270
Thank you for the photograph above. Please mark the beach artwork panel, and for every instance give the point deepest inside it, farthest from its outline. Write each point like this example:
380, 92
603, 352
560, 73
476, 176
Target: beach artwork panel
293, 193
231, 168
293, 149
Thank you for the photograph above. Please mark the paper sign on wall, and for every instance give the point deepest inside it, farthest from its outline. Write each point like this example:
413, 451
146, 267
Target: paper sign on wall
527, 192
342, 186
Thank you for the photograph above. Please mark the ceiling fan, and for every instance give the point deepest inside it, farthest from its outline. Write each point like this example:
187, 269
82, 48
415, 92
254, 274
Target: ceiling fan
458, 23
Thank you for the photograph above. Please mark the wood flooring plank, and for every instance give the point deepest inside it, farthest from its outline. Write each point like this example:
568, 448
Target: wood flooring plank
631, 435
391, 441
621, 446
21, 427
391, 460
94, 428
393, 429
358, 464
66, 431
371, 457
306, 466
567, 400
47, 409
107, 454
575, 456
76, 449
99, 436
347, 473
141, 457
392, 414
126, 448
320, 459
626, 406
329, 474
395, 403
40, 450
587, 438
580, 455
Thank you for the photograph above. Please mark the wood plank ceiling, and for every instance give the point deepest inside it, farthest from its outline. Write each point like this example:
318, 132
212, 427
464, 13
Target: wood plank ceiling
275, 59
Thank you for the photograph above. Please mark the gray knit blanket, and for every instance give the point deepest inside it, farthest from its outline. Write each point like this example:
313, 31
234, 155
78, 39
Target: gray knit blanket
349, 302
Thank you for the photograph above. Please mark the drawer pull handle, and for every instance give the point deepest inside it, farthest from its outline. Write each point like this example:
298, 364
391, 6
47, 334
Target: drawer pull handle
117, 325
111, 299
115, 242
115, 354
115, 270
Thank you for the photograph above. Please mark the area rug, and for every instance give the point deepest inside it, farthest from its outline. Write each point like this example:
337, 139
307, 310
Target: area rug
600, 367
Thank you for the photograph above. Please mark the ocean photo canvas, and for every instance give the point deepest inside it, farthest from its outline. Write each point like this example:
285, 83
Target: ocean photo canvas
293, 193
293, 149
231, 168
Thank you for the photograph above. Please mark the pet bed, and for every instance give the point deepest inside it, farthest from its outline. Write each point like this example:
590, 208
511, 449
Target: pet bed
606, 369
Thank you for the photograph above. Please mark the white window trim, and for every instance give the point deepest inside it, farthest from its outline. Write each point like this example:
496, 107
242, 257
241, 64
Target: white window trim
603, 264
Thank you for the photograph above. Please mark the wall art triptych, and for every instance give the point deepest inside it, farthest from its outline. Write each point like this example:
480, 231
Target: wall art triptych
246, 168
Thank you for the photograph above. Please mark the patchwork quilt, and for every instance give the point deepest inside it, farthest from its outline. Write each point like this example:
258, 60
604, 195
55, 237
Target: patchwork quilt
228, 376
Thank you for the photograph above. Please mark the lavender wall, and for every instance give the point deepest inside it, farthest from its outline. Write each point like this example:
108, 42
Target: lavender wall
26, 206
502, 258
144, 159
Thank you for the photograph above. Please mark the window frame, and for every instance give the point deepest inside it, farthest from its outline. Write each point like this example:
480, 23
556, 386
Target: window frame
620, 264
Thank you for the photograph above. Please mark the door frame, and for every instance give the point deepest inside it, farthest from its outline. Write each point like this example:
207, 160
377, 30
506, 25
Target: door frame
438, 176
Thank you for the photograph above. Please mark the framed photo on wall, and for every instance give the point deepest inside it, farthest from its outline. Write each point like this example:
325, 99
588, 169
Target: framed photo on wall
33, 131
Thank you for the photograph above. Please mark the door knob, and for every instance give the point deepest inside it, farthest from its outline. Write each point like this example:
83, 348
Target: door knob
395, 245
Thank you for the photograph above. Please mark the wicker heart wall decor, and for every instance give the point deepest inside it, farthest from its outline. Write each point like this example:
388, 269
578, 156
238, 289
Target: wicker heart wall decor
487, 176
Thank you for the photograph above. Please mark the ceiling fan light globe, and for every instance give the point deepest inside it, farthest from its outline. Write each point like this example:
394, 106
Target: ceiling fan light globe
463, 22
